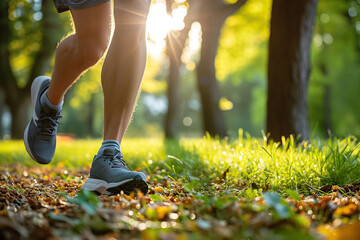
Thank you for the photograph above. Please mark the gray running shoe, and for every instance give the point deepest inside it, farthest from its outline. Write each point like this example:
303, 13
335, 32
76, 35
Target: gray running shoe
40, 133
110, 174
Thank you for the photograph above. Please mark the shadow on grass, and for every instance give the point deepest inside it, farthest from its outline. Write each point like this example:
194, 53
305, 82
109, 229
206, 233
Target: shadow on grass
185, 164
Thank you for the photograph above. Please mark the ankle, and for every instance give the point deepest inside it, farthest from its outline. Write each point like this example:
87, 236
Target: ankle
44, 100
108, 144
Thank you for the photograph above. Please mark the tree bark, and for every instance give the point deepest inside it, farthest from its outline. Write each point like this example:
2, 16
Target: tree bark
289, 67
2, 106
8, 82
211, 18
173, 95
91, 115
211, 15
327, 110
19, 117
244, 105
213, 120
175, 42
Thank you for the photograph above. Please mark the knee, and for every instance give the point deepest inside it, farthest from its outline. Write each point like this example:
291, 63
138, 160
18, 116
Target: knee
90, 51
131, 11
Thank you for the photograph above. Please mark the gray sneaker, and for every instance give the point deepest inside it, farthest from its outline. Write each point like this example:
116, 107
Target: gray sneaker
40, 133
110, 174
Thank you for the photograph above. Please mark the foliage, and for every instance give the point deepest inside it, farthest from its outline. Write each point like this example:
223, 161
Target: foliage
242, 35
241, 66
25, 21
336, 57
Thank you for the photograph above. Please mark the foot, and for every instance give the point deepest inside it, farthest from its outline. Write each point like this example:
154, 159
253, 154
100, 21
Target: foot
110, 174
40, 133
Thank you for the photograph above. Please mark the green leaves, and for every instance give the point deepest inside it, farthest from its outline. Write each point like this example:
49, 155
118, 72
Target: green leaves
62, 218
86, 200
156, 197
293, 194
282, 208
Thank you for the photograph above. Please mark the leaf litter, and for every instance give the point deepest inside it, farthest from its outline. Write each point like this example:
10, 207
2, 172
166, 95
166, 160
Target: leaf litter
43, 203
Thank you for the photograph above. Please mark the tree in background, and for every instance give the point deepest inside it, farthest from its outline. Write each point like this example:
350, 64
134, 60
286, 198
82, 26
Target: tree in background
211, 15
175, 43
333, 89
212, 18
291, 33
2, 108
335, 81
30, 31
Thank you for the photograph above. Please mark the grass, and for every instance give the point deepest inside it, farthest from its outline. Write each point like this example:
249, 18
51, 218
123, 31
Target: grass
195, 185
247, 161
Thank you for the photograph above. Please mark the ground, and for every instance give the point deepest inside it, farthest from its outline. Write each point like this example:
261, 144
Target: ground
199, 189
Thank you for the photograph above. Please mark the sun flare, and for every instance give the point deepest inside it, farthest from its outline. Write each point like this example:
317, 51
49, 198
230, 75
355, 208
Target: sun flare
159, 23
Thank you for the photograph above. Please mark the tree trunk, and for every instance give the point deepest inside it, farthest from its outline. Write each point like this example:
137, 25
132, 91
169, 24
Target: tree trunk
19, 117
211, 15
52, 30
91, 115
213, 120
2, 106
246, 98
327, 110
289, 67
173, 96
175, 42
13, 95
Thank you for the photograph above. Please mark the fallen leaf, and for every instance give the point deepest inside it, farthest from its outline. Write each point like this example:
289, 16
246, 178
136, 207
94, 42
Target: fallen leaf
162, 211
158, 189
348, 232
347, 210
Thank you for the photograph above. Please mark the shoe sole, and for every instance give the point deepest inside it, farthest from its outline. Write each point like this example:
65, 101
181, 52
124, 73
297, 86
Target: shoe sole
35, 88
127, 186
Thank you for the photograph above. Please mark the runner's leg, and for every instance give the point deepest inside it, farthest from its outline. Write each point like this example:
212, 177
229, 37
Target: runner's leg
74, 55
121, 76
124, 66
81, 50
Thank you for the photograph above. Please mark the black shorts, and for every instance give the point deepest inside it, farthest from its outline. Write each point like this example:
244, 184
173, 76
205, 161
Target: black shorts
65, 5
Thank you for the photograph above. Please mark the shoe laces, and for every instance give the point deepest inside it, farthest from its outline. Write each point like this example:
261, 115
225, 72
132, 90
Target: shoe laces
48, 122
117, 161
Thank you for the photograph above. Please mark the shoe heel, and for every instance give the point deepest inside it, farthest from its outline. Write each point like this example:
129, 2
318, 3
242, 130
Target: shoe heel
95, 185
35, 86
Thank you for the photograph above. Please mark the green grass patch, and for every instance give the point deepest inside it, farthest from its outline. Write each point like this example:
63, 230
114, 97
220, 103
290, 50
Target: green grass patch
247, 162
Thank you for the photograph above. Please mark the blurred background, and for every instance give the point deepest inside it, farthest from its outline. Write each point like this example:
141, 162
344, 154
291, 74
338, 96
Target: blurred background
30, 30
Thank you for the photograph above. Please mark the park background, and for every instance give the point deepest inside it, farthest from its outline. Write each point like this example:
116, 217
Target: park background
241, 187
241, 71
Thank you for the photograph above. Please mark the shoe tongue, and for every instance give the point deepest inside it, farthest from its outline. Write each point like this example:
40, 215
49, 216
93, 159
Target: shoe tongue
111, 152
108, 152
49, 111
